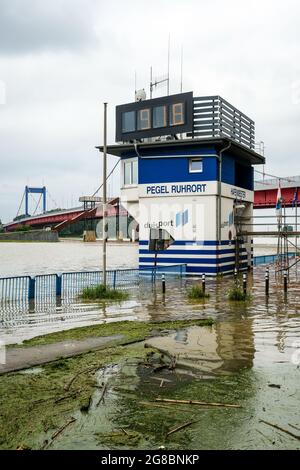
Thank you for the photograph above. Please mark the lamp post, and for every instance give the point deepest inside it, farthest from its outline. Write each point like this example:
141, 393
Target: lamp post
104, 194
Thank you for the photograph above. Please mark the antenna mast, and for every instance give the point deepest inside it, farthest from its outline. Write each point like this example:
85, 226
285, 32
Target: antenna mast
181, 68
168, 79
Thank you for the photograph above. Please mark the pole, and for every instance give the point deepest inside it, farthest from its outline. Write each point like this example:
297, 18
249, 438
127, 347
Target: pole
296, 206
267, 281
104, 193
181, 69
203, 283
163, 283
285, 283
245, 283
168, 81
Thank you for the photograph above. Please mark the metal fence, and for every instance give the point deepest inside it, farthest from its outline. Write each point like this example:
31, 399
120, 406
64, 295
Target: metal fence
70, 285
215, 117
268, 259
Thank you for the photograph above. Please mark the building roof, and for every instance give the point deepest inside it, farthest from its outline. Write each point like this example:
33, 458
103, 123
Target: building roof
219, 143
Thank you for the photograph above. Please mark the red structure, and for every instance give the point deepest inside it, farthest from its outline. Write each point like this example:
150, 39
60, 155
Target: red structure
60, 219
265, 195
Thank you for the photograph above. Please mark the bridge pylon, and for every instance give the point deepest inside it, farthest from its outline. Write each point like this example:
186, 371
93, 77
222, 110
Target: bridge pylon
32, 190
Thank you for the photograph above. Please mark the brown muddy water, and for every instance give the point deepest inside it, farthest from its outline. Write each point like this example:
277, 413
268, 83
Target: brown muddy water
250, 357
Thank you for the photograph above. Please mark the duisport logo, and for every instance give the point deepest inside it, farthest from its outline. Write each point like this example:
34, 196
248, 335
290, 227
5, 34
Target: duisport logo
182, 218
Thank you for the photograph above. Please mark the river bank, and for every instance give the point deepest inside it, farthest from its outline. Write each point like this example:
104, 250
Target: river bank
39, 400
128, 396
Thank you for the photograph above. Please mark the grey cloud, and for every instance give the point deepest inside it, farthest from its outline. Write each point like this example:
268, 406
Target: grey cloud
27, 26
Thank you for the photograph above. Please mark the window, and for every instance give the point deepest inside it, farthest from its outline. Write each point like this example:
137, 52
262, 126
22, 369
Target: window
134, 169
128, 121
159, 116
177, 114
143, 121
196, 165
130, 172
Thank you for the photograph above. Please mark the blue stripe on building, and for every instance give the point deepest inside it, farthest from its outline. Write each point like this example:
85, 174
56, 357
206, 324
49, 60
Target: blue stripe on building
191, 252
213, 270
190, 260
195, 243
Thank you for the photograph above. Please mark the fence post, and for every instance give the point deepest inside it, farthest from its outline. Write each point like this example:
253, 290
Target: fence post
31, 288
203, 283
267, 281
285, 284
245, 283
235, 275
115, 279
163, 283
58, 285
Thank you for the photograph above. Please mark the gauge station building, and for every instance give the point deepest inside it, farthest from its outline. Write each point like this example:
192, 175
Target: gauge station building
187, 179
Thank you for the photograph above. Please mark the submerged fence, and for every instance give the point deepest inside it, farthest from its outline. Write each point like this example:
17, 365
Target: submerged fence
71, 284
269, 259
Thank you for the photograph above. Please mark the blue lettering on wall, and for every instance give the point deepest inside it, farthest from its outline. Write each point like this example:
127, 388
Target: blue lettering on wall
177, 189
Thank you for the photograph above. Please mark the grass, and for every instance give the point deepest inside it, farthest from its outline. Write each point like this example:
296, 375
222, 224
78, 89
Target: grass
101, 292
196, 292
236, 293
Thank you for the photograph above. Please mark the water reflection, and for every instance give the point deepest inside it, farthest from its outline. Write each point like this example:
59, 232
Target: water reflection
266, 325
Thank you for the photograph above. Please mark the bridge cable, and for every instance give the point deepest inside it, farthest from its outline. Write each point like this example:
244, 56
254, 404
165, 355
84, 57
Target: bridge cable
107, 177
53, 200
37, 204
20, 204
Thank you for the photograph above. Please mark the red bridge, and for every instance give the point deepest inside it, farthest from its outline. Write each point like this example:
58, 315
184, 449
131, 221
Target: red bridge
58, 220
265, 195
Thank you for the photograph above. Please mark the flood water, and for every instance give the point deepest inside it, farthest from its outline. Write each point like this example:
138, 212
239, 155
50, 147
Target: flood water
251, 355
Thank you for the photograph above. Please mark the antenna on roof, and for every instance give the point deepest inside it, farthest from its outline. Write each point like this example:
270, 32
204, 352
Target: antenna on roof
163, 79
181, 68
168, 79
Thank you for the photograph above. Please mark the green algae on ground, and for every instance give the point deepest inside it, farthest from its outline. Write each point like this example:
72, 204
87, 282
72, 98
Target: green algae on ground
131, 330
33, 406
119, 438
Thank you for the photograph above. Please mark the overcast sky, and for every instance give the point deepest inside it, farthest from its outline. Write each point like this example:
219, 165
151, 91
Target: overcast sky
61, 59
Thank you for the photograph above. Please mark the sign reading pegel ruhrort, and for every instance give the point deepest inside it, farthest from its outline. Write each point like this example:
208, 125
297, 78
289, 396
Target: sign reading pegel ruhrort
168, 115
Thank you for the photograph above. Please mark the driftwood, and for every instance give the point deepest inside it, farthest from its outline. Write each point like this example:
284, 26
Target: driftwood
102, 395
156, 405
295, 436
85, 371
69, 395
161, 378
182, 426
196, 402
293, 426
58, 432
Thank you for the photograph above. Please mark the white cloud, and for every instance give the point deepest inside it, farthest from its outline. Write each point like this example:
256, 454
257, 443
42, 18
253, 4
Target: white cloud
58, 76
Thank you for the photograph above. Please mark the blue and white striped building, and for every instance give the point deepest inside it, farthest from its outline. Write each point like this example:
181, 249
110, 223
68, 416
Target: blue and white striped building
193, 190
